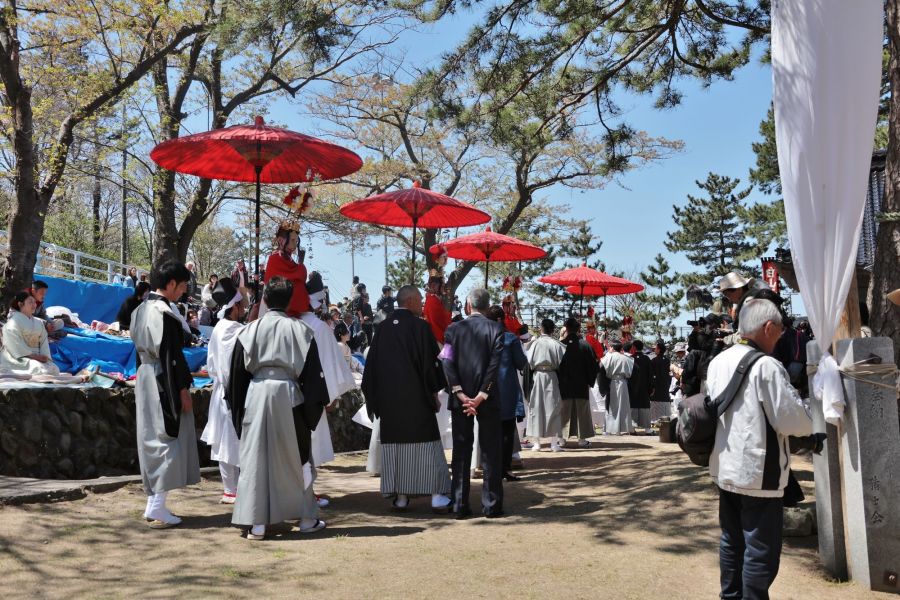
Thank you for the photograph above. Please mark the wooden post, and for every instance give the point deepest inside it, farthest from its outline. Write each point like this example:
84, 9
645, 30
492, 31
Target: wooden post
850, 325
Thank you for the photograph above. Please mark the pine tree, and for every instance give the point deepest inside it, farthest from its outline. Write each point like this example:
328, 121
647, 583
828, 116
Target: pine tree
662, 302
710, 231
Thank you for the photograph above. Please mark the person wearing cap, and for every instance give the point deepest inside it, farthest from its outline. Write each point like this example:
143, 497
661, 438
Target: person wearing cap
338, 377
618, 368
282, 263
219, 432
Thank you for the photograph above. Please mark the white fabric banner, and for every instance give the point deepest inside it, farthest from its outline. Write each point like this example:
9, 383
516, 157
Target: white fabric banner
826, 73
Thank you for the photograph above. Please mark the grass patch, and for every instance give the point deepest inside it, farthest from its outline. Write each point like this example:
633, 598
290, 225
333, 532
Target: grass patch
232, 573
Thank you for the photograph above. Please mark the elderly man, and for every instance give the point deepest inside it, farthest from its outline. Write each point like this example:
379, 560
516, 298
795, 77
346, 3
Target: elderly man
401, 381
476, 344
750, 460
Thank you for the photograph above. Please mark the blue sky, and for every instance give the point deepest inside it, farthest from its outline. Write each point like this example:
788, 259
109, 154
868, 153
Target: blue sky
717, 126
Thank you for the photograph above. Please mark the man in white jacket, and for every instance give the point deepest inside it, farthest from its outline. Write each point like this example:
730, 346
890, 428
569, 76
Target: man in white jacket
751, 458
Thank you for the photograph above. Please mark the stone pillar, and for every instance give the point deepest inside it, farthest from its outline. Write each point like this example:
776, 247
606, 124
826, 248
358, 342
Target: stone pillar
827, 471
870, 465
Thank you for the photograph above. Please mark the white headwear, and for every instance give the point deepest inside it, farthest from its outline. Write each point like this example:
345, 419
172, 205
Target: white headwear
237, 298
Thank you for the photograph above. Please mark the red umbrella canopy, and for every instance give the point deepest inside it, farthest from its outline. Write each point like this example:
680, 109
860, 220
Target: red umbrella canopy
490, 247
234, 154
593, 290
591, 279
414, 207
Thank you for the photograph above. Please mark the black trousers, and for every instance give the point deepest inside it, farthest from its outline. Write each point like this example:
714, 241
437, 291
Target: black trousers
489, 439
508, 430
750, 547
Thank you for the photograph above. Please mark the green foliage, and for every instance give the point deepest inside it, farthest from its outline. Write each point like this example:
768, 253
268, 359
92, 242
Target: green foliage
709, 229
662, 302
399, 272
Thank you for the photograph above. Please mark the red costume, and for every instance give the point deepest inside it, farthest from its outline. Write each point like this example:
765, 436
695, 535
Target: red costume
278, 265
437, 316
595, 344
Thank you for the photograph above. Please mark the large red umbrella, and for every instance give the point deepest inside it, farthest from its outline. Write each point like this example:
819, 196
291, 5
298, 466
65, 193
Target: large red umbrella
256, 153
490, 247
585, 281
414, 207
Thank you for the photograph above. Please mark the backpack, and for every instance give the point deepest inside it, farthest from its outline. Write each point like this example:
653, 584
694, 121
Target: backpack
698, 416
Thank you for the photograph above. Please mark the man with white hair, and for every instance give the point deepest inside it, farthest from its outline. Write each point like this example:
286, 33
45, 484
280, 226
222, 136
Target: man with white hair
750, 460
476, 344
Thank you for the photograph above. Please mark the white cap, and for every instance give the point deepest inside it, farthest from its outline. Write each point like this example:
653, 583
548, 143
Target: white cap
732, 281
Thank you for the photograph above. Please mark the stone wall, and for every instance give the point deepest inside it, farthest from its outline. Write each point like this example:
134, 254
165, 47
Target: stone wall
71, 433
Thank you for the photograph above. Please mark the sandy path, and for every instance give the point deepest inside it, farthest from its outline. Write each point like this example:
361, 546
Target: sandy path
630, 518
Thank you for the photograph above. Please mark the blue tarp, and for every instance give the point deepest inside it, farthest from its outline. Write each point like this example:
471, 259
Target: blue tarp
84, 348
92, 301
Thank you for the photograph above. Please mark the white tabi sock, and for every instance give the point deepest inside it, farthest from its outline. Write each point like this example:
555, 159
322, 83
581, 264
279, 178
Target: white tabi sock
230, 475
439, 501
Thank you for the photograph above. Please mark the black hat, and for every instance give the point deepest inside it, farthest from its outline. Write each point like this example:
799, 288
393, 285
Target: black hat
314, 283
768, 294
224, 291
386, 288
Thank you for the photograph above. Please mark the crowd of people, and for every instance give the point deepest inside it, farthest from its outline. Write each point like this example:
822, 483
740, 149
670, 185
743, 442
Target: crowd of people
469, 378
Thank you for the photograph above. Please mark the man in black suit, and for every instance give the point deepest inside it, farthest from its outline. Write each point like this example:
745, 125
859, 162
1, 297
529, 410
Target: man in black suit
476, 344
639, 385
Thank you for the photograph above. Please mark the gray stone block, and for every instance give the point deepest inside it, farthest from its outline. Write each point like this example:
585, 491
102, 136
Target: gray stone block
870, 448
827, 475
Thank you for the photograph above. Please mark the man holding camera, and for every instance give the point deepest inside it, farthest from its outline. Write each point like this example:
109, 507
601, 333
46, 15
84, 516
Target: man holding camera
751, 458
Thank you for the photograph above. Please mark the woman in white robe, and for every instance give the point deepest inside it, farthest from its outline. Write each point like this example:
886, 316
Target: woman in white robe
219, 432
26, 350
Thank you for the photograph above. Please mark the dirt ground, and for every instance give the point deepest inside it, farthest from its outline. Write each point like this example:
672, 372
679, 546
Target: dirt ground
629, 518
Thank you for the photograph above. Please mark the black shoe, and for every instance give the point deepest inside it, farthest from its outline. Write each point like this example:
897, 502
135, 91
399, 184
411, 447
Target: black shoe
510, 477
463, 513
494, 514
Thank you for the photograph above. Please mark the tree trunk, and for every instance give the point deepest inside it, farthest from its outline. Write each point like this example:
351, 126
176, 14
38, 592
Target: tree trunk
96, 196
165, 231
29, 208
884, 317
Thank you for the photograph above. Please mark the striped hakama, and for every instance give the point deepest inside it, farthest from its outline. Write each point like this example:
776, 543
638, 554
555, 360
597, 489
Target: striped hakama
414, 469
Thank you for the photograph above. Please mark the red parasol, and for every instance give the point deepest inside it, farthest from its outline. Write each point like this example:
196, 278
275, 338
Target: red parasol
414, 207
585, 281
490, 247
256, 153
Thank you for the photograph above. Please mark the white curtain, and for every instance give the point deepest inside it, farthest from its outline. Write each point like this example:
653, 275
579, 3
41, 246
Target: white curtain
826, 72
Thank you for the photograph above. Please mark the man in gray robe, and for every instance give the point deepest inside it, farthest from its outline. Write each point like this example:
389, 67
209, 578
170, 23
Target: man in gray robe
544, 400
166, 437
401, 381
275, 394
618, 368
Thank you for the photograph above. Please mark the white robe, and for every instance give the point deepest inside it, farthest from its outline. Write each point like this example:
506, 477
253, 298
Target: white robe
23, 336
618, 370
544, 402
167, 463
338, 379
274, 485
219, 431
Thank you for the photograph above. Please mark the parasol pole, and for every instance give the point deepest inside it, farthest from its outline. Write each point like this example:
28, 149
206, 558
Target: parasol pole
581, 301
487, 266
605, 319
412, 254
258, 170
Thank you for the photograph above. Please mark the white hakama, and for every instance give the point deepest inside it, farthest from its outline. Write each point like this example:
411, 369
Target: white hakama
545, 402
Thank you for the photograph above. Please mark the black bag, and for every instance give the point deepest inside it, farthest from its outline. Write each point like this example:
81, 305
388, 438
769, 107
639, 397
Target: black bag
699, 417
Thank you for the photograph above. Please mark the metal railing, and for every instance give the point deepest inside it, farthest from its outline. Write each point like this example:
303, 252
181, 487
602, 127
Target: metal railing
57, 261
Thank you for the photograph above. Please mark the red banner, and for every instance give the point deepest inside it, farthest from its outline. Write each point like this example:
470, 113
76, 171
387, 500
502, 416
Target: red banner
770, 274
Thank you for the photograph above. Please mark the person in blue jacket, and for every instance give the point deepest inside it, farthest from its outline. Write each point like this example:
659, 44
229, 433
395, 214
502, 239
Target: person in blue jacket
512, 360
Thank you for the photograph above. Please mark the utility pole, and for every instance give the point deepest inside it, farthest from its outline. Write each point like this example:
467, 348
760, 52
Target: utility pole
123, 239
